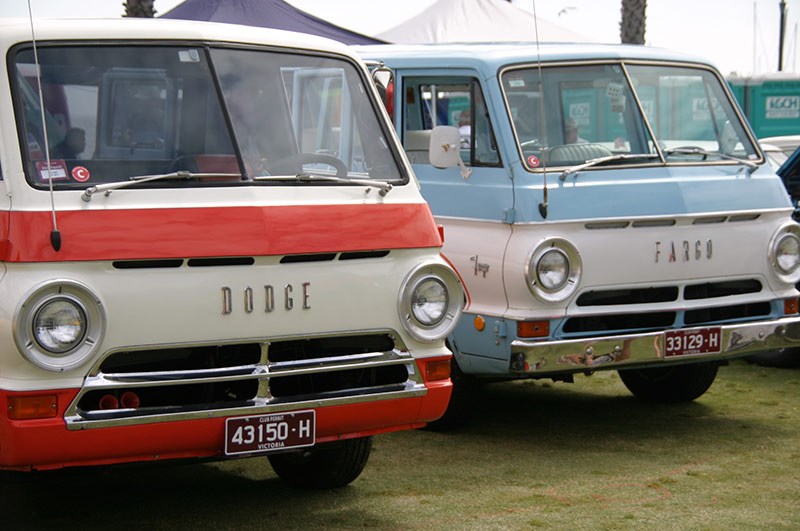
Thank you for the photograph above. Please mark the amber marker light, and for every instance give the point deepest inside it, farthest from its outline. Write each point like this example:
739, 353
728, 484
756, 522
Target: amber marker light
480, 323
32, 407
437, 370
791, 306
533, 328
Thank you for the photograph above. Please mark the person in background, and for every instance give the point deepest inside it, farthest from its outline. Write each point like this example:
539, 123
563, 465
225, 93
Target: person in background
465, 127
73, 144
571, 133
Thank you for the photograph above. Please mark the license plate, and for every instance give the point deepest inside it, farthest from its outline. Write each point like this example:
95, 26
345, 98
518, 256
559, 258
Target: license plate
688, 342
263, 433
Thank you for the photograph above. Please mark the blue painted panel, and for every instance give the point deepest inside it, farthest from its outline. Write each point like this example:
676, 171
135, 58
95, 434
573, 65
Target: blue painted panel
649, 192
487, 194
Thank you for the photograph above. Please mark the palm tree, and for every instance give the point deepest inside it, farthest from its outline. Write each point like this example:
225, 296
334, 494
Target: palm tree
139, 8
631, 29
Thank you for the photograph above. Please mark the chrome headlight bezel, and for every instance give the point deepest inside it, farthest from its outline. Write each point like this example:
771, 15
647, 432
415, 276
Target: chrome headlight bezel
87, 305
544, 289
787, 234
439, 327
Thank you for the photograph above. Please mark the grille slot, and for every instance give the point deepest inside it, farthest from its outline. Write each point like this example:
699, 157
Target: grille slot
628, 296
711, 290
725, 313
619, 322
147, 264
217, 262
306, 258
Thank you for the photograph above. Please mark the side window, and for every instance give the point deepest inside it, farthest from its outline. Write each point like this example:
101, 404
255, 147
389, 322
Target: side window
457, 102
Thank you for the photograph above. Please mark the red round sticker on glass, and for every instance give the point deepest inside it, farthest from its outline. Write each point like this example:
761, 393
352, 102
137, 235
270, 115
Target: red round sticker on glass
80, 174
533, 161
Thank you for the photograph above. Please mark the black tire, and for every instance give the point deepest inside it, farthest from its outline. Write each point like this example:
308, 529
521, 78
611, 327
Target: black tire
784, 358
462, 401
325, 466
672, 384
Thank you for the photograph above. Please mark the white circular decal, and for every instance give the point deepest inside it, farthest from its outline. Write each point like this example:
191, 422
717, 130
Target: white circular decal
80, 174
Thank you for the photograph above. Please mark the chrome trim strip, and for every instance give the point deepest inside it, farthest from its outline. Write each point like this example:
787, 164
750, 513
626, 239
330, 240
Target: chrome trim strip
258, 407
624, 351
614, 222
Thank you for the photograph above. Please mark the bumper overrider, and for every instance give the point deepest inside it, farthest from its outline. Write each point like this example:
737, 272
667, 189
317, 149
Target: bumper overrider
674, 346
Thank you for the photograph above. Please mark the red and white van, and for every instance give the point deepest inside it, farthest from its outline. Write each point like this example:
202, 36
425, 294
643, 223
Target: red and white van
211, 246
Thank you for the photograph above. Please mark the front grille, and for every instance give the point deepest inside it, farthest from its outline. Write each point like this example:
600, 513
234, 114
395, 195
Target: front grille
134, 384
628, 316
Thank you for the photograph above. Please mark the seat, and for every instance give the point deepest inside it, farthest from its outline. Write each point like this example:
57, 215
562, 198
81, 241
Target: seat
417, 145
576, 153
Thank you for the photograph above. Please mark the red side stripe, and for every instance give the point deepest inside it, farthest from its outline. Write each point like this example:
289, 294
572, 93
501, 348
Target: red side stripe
219, 231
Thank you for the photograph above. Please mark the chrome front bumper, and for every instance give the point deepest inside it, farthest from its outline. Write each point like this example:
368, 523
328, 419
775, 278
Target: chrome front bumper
649, 349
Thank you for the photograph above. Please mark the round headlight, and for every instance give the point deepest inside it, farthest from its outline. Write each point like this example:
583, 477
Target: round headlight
552, 269
429, 301
59, 325
787, 253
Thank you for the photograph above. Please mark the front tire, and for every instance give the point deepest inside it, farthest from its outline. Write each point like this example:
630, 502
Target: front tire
325, 466
462, 401
676, 383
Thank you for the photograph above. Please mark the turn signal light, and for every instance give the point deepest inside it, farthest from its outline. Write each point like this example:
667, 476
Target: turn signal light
437, 370
533, 328
791, 306
32, 407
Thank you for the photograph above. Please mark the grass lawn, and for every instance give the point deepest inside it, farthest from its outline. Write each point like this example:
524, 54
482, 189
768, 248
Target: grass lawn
538, 455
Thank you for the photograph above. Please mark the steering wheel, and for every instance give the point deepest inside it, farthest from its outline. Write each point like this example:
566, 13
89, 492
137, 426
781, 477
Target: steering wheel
299, 159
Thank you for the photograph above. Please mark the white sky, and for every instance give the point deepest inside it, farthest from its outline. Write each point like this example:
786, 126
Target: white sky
737, 35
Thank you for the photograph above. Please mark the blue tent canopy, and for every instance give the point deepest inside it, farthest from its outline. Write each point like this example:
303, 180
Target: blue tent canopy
275, 14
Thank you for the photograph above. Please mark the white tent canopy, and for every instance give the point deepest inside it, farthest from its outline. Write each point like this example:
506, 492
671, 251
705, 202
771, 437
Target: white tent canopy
476, 21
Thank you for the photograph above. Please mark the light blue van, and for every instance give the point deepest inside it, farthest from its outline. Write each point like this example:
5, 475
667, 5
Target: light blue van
607, 207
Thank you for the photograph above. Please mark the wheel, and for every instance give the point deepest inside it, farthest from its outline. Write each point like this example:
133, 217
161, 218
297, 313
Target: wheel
325, 466
784, 358
295, 162
462, 401
677, 383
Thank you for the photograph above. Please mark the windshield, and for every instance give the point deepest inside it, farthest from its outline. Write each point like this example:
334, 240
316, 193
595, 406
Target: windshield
116, 112
568, 115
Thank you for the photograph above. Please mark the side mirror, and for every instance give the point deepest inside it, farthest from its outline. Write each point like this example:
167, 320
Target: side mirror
445, 149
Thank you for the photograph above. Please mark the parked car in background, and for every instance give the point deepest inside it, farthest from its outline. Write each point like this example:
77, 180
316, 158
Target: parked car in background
788, 144
776, 156
787, 357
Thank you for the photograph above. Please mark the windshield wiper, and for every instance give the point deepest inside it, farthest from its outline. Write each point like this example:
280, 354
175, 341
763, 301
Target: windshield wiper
691, 150
382, 186
594, 162
187, 175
